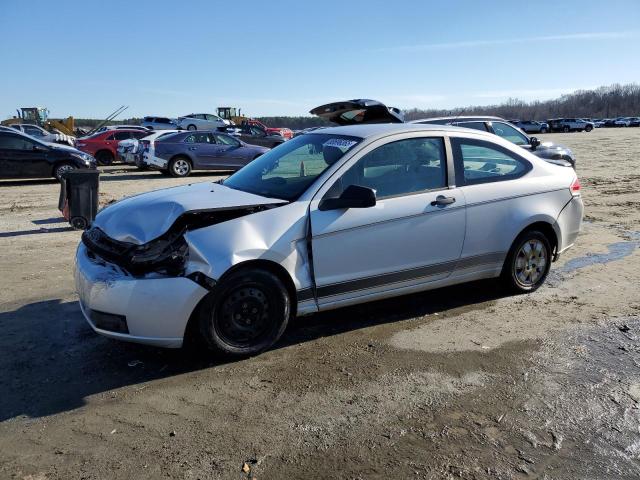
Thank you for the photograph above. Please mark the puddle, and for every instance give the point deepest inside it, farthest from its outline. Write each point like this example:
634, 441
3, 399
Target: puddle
617, 251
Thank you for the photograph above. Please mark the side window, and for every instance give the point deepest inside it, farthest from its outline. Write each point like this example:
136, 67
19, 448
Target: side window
478, 161
257, 131
110, 137
398, 168
190, 139
226, 140
33, 131
201, 138
15, 142
475, 125
509, 133
139, 134
122, 135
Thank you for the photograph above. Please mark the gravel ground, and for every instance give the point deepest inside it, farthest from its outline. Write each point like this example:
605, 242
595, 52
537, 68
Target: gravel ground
460, 382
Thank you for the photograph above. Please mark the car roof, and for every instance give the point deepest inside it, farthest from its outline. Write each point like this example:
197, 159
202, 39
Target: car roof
460, 118
383, 129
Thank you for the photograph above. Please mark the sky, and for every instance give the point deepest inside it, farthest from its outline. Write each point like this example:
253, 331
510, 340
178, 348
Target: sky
86, 58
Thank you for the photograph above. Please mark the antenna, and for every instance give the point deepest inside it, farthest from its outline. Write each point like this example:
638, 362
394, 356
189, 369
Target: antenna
458, 115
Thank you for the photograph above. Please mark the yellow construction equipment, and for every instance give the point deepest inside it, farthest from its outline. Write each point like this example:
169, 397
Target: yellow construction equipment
40, 116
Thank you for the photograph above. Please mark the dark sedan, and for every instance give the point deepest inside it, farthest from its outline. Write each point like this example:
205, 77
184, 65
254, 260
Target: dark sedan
255, 135
178, 154
22, 156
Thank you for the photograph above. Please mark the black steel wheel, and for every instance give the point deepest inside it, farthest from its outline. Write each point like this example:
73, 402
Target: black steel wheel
245, 314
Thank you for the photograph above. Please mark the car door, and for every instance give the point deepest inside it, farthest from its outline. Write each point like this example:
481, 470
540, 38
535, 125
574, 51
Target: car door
229, 151
489, 176
413, 235
202, 150
22, 157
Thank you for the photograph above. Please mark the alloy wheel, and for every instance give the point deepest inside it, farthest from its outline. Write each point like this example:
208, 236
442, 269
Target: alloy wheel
530, 262
181, 167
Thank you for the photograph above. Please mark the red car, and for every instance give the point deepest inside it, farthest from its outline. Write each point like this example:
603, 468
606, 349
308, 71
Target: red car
103, 145
284, 132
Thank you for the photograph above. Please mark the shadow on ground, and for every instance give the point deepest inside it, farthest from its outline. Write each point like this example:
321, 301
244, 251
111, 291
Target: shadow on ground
50, 359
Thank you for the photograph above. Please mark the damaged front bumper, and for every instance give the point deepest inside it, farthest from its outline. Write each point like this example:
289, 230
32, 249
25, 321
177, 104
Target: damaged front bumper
153, 309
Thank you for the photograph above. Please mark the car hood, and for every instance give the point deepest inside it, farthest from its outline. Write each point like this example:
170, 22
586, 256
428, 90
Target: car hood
63, 148
354, 112
142, 218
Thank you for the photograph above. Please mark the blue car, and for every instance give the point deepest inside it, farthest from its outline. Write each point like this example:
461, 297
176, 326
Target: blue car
180, 153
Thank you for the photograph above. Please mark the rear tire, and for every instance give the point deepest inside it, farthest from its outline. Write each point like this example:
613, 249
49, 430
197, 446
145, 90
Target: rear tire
104, 157
192, 127
528, 262
180, 167
246, 314
79, 223
543, 130
566, 129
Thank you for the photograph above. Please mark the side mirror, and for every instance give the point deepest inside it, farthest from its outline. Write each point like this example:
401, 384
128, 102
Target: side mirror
534, 142
354, 196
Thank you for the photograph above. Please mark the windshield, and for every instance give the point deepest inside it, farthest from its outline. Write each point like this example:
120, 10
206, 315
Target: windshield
287, 171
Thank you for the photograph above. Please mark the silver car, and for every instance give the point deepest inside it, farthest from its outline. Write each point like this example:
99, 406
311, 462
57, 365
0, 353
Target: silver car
335, 217
201, 121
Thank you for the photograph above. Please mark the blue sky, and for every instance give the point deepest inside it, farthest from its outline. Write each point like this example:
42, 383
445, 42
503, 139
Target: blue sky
85, 58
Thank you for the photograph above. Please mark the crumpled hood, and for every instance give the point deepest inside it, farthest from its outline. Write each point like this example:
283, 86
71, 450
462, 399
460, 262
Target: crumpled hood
142, 218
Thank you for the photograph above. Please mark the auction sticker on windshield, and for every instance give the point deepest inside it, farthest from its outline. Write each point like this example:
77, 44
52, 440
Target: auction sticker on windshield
340, 143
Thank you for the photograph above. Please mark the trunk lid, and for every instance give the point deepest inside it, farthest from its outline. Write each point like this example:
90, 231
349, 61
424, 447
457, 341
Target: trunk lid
359, 111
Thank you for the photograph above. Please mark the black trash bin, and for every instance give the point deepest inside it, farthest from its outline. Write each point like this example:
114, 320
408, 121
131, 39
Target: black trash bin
79, 197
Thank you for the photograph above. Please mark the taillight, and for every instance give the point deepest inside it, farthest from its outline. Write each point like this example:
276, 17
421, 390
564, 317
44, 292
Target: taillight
575, 187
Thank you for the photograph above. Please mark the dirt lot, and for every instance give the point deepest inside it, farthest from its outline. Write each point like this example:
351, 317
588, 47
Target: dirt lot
456, 383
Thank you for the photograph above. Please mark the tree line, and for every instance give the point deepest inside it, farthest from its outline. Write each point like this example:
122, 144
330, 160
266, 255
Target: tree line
605, 102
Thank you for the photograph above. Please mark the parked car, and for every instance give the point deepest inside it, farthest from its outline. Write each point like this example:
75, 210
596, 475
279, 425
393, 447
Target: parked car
183, 152
255, 135
385, 209
531, 126
627, 122
22, 156
159, 123
599, 122
43, 135
103, 145
287, 133
498, 126
201, 121
569, 125
134, 151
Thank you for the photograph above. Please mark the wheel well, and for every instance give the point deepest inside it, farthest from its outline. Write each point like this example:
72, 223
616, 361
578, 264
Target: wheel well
182, 155
61, 162
105, 150
272, 267
547, 230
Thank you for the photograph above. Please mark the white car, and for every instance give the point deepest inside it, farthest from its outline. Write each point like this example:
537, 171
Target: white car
335, 217
140, 152
201, 121
43, 135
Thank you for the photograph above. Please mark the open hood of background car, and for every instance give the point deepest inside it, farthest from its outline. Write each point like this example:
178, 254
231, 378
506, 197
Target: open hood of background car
354, 112
145, 217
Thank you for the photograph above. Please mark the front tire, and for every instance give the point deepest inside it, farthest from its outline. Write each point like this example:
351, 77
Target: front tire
528, 262
588, 128
61, 169
246, 314
566, 129
180, 167
544, 130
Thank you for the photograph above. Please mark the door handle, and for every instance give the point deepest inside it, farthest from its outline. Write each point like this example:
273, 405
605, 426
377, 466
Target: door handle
441, 200
192, 148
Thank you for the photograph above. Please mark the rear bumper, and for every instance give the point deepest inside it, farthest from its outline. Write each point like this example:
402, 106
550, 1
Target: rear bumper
154, 162
569, 223
155, 311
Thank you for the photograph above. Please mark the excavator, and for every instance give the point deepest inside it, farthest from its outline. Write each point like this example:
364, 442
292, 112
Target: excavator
40, 116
